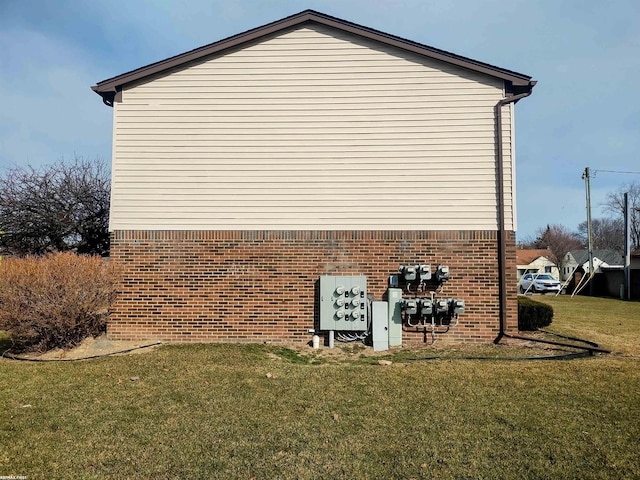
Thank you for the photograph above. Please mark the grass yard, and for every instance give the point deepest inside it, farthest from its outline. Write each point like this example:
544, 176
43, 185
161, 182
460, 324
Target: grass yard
612, 323
211, 411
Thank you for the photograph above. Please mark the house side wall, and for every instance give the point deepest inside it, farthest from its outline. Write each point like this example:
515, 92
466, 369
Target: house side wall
539, 265
568, 267
312, 129
215, 286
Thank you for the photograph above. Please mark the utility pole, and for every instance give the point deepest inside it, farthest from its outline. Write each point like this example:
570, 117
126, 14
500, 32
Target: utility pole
627, 249
587, 184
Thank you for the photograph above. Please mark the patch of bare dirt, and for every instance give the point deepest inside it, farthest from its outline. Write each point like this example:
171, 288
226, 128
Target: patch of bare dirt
94, 347
341, 351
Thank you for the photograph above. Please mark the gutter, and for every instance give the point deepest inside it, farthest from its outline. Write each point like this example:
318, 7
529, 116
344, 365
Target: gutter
502, 252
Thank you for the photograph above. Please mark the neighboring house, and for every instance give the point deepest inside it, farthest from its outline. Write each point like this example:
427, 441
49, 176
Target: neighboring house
608, 266
245, 169
635, 259
634, 274
579, 260
535, 261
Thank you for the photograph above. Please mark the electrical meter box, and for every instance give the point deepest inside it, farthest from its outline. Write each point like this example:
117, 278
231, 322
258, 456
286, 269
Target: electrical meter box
343, 303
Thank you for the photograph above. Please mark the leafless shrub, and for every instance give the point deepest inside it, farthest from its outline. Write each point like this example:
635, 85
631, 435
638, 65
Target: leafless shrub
55, 301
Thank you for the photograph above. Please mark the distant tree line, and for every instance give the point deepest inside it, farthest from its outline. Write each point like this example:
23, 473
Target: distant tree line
59, 207
606, 233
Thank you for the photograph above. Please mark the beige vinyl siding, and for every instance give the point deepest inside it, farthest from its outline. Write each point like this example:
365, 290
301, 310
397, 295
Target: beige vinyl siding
311, 129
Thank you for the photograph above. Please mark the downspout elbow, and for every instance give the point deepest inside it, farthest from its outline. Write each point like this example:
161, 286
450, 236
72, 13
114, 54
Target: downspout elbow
107, 101
108, 98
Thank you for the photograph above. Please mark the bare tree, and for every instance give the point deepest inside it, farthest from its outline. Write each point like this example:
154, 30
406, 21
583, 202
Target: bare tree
557, 239
606, 233
60, 207
615, 205
528, 242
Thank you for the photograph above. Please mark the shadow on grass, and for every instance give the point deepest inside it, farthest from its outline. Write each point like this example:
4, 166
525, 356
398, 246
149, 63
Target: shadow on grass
5, 341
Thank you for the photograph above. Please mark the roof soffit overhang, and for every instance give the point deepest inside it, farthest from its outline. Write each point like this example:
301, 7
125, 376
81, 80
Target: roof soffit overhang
515, 83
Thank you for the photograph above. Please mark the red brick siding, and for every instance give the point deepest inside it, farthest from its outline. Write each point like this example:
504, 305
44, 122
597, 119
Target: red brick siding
214, 286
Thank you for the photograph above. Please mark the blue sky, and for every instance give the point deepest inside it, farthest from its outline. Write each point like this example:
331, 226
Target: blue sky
585, 54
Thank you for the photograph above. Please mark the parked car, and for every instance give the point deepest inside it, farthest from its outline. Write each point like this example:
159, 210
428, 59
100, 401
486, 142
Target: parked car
539, 283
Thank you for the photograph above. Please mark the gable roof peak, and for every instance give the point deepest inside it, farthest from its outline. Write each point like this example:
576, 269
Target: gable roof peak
525, 256
107, 89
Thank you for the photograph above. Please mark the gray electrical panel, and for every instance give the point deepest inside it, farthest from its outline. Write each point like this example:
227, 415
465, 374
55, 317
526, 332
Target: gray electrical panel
380, 326
343, 303
394, 297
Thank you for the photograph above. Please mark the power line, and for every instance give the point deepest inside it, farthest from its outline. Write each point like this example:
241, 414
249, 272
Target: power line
615, 171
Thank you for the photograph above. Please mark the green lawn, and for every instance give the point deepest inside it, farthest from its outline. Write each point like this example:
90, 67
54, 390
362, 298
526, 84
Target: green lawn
612, 323
210, 411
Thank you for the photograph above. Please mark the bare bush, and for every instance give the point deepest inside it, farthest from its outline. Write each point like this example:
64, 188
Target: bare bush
55, 301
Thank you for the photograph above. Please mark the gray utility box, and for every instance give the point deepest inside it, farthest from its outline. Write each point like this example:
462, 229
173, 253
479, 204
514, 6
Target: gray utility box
343, 303
380, 326
394, 297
